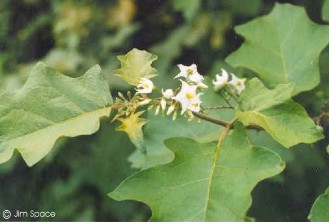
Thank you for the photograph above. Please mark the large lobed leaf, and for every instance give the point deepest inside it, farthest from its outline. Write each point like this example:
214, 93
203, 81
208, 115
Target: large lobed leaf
275, 111
320, 209
135, 65
48, 106
282, 50
202, 184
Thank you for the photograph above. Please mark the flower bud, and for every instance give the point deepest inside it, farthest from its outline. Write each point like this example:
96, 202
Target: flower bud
163, 104
168, 93
170, 109
157, 110
145, 102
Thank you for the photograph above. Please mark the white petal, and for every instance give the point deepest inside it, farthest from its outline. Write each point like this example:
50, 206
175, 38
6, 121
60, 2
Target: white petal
224, 74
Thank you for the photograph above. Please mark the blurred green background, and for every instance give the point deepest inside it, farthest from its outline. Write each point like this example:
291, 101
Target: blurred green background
71, 36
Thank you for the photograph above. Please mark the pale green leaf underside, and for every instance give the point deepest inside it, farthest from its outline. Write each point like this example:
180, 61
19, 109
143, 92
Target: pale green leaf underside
135, 65
193, 188
48, 106
325, 10
286, 121
320, 209
282, 50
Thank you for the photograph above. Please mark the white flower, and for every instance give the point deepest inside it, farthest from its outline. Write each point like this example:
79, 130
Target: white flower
238, 83
145, 86
168, 93
190, 73
188, 98
221, 80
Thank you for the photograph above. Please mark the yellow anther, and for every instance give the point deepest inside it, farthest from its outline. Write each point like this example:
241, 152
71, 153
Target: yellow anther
189, 95
190, 71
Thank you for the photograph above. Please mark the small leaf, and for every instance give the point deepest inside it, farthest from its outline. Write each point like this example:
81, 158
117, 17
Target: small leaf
48, 106
275, 111
133, 125
325, 10
320, 209
135, 65
275, 48
202, 184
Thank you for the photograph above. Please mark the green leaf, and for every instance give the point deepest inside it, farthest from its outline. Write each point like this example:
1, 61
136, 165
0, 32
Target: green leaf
200, 185
135, 65
320, 209
325, 10
160, 128
188, 8
243, 7
132, 125
282, 50
48, 106
275, 111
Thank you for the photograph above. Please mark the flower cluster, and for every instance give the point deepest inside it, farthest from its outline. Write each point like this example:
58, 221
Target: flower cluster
223, 80
185, 100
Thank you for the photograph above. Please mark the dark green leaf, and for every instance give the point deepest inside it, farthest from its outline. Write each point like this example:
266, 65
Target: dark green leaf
282, 50
203, 183
320, 209
286, 121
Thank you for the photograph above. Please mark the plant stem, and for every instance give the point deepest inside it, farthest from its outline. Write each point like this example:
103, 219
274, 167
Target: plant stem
226, 100
223, 135
210, 119
319, 118
233, 96
221, 122
218, 107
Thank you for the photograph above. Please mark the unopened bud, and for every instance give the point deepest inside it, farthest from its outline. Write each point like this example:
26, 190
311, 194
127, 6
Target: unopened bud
174, 116
170, 109
168, 93
202, 85
157, 110
163, 104
145, 102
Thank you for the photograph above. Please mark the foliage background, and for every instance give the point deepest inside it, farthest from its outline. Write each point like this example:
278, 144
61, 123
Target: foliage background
71, 36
